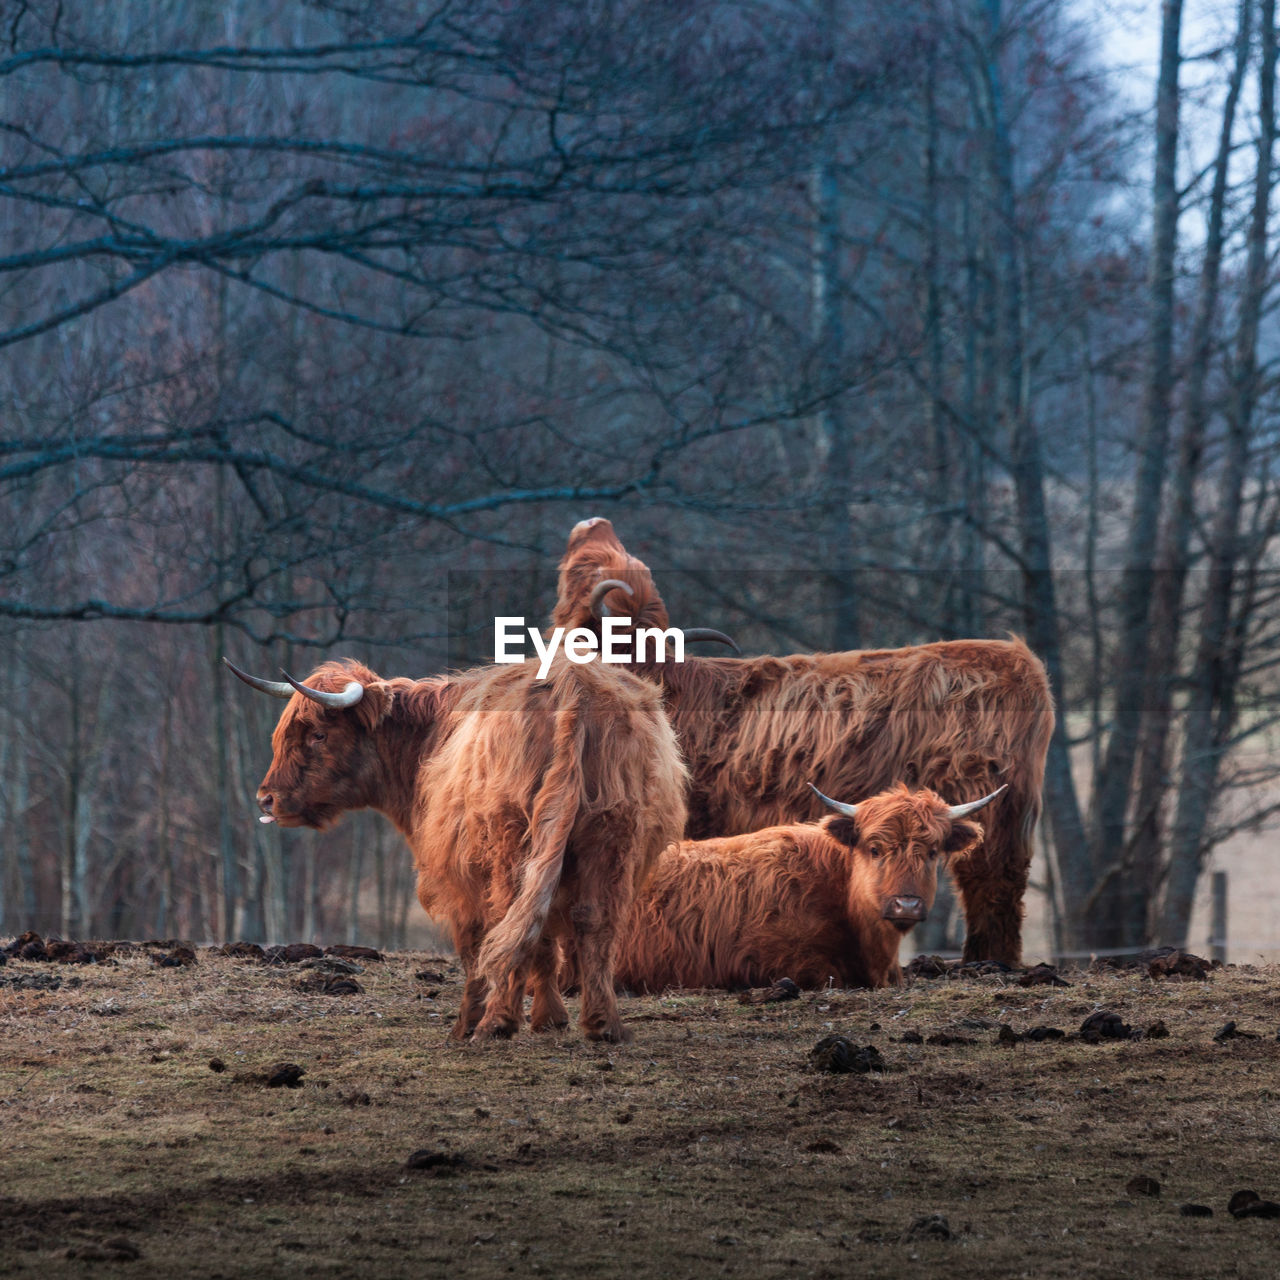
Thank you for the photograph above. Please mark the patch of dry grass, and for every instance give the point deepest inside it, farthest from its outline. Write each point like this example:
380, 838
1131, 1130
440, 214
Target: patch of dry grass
704, 1147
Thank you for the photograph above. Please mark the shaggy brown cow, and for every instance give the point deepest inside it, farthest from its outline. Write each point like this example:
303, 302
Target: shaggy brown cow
533, 809
814, 902
960, 716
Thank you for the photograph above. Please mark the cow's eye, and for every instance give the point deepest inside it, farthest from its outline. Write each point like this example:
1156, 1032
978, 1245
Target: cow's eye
933, 853
318, 736
875, 851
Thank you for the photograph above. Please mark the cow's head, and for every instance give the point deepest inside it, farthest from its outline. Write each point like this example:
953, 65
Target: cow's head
599, 578
898, 838
325, 756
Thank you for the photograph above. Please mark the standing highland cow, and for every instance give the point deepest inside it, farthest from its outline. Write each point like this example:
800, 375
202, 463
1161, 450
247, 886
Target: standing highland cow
533, 809
959, 716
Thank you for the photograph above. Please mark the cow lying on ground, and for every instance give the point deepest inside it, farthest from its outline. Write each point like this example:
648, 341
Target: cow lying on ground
961, 717
533, 809
816, 902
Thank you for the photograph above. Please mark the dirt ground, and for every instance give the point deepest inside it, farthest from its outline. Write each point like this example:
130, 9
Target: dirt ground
140, 1137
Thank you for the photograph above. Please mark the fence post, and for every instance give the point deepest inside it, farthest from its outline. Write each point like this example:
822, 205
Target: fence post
1218, 918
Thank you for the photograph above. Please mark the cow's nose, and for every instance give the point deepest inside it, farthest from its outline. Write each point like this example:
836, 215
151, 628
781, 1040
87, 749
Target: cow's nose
905, 908
266, 801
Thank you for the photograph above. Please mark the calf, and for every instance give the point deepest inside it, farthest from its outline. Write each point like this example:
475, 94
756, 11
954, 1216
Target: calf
814, 902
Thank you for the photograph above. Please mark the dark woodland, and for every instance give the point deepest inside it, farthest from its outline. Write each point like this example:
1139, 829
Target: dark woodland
322, 323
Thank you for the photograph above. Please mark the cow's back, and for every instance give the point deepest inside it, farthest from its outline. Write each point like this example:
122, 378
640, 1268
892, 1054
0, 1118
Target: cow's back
954, 716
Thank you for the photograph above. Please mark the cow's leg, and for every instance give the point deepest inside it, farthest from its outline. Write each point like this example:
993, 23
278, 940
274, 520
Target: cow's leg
504, 1009
595, 932
467, 941
991, 882
548, 1012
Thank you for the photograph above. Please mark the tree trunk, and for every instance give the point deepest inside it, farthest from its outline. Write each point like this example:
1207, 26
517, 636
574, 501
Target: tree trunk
1210, 709
1039, 594
1174, 560
1120, 911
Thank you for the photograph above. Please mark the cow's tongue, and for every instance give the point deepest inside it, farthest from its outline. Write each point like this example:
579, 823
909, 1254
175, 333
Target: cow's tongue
266, 817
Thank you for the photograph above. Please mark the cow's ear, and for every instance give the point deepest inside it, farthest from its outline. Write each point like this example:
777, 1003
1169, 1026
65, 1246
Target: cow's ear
965, 836
376, 703
843, 830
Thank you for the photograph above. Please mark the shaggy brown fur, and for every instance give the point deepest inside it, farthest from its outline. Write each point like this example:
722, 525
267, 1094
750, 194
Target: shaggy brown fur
806, 902
960, 716
533, 809
594, 554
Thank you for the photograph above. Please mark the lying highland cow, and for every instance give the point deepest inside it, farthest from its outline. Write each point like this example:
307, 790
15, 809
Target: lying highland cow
960, 716
815, 902
533, 809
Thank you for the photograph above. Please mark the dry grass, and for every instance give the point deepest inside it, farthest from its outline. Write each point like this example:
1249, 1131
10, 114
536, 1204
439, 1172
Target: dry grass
704, 1147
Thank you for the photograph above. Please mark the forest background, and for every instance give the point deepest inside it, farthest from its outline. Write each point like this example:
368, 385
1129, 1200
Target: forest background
865, 325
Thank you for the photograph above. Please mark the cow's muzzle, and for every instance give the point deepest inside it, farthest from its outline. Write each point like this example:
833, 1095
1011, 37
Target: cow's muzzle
904, 912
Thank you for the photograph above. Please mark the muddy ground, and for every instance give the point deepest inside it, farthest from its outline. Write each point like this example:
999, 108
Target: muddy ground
140, 1136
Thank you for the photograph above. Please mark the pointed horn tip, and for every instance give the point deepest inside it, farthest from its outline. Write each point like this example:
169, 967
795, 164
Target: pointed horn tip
710, 633
849, 810
272, 687
348, 697
963, 810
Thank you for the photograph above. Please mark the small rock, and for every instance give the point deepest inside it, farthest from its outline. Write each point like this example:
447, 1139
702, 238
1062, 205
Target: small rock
243, 951
347, 952
912, 1037
24, 940
1157, 1030
1195, 1211
1249, 1204
783, 989
824, 1146
1104, 1025
1007, 1035
839, 1056
429, 975
180, 957
217, 1065
1142, 1185
440, 1163
340, 986
927, 967
932, 1227
1042, 975
1179, 966
1037, 1034
286, 1075
1229, 1031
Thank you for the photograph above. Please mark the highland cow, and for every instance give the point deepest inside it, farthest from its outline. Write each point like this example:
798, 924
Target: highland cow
533, 809
959, 716
815, 902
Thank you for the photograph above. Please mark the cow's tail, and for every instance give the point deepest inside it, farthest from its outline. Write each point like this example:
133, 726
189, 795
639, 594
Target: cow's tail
511, 941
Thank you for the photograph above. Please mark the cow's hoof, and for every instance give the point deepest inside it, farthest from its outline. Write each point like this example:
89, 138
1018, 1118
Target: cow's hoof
550, 1024
502, 1030
617, 1034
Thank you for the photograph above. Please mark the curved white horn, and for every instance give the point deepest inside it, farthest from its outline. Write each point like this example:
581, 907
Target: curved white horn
276, 688
596, 602
849, 810
963, 810
334, 701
